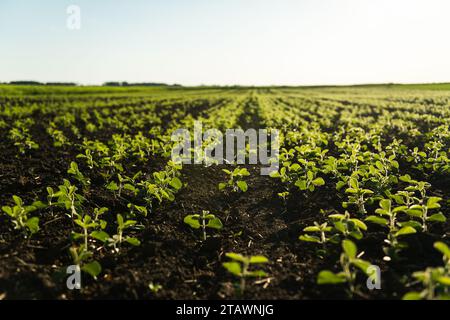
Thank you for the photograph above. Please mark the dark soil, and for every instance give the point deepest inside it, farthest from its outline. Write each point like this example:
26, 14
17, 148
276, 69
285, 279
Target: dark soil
172, 254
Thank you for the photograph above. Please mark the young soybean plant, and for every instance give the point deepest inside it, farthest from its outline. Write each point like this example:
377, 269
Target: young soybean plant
435, 281
80, 257
350, 261
117, 239
309, 182
67, 197
388, 218
239, 266
203, 221
19, 215
235, 182
357, 195
348, 226
78, 175
321, 234
94, 223
421, 206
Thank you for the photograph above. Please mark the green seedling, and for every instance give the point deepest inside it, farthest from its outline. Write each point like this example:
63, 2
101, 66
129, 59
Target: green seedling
89, 158
117, 239
435, 281
357, 195
19, 215
387, 217
21, 137
59, 139
154, 287
421, 211
235, 180
350, 262
78, 175
68, 198
348, 226
137, 209
88, 223
240, 265
81, 256
309, 182
163, 187
125, 183
204, 221
322, 231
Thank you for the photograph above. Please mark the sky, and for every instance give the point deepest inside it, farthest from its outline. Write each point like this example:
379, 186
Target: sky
226, 42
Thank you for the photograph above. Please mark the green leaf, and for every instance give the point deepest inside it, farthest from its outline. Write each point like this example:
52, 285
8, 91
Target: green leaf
94, 268
33, 224
412, 296
215, 223
386, 204
339, 185
119, 220
242, 185
311, 229
192, 220
443, 248
405, 178
133, 241
274, 174
433, 202
404, 231
339, 226
301, 184
354, 183
377, 220
8, 210
351, 190
244, 172
318, 182
359, 224
362, 265
258, 259
233, 267
236, 256
411, 223
308, 238
112, 186
414, 213
129, 223
437, 217
444, 280
100, 235
349, 248
176, 183
328, 277
38, 205
400, 209
222, 185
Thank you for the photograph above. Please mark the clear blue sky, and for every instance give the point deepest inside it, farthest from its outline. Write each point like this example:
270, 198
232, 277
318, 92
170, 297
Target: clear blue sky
227, 41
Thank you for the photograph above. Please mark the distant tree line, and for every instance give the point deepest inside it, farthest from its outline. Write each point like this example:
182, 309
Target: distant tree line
37, 83
140, 84
107, 84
